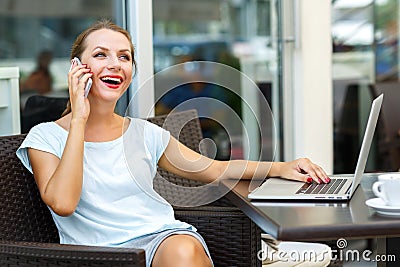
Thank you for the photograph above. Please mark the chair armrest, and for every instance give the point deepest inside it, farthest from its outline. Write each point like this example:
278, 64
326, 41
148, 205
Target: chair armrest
14, 253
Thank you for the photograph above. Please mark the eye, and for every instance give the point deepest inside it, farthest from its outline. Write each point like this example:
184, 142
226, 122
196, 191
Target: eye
100, 54
125, 57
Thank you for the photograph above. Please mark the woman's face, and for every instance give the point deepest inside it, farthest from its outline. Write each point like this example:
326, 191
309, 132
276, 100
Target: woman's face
108, 55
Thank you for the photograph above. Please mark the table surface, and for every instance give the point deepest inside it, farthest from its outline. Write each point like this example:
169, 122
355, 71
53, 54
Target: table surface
307, 221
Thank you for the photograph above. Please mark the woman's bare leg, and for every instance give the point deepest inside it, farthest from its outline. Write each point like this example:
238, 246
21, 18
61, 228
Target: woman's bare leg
181, 251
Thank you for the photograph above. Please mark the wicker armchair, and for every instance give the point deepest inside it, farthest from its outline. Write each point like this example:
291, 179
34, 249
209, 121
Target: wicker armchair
28, 236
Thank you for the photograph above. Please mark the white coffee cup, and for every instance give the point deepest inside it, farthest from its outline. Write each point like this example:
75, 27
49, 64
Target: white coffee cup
388, 190
389, 176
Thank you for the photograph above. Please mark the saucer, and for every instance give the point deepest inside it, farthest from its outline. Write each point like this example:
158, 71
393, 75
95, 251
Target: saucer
382, 208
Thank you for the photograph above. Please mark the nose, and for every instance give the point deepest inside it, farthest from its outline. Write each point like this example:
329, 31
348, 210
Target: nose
114, 63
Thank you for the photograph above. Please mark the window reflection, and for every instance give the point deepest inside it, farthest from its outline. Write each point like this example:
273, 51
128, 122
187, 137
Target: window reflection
353, 70
386, 34
36, 33
365, 53
238, 34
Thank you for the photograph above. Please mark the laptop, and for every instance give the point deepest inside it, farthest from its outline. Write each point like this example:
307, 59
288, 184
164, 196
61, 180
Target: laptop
341, 187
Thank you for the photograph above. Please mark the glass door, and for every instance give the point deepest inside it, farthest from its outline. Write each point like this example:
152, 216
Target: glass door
222, 57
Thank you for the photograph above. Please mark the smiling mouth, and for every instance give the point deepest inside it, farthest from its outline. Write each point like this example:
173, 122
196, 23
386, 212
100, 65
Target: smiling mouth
112, 80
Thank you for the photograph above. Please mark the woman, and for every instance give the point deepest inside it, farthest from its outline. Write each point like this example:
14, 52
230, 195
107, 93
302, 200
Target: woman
79, 164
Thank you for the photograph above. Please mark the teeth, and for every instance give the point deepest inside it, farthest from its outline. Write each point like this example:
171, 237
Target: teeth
112, 79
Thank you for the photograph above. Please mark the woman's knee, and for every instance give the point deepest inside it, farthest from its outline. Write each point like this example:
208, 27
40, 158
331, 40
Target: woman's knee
181, 250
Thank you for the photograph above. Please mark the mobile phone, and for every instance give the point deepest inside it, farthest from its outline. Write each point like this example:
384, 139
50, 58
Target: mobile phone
89, 82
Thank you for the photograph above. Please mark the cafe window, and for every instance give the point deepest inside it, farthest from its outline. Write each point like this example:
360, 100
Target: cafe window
33, 31
365, 51
204, 47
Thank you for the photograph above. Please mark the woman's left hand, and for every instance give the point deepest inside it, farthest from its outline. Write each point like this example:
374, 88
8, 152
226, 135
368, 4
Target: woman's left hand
304, 170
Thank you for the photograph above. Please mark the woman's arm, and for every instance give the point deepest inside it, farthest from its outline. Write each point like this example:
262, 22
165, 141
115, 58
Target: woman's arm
60, 180
181, 160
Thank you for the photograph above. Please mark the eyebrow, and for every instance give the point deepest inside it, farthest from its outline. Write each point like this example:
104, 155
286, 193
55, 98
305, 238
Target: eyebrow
105, 48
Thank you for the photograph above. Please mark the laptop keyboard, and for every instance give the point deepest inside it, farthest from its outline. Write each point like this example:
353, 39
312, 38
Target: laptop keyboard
332, 188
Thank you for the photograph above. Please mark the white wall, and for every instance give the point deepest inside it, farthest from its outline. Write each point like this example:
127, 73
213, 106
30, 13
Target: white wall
312, 85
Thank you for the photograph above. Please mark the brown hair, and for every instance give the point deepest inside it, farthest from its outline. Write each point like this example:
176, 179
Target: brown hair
79, 45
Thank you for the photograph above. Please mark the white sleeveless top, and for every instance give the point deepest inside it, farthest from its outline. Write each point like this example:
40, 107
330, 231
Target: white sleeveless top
118, 202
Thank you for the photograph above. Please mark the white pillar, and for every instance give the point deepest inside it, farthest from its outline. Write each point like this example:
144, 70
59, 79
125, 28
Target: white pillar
140, 25
312, 115
9, 101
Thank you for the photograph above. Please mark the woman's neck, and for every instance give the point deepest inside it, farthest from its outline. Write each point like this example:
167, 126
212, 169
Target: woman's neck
104, 127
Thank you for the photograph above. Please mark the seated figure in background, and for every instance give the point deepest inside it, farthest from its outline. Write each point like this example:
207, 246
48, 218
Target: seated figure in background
40, 80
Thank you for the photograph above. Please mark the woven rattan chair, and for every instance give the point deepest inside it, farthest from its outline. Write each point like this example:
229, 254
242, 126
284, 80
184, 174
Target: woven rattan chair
28, 236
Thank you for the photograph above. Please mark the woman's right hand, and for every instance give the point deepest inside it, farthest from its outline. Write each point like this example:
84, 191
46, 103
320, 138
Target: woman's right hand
77, 79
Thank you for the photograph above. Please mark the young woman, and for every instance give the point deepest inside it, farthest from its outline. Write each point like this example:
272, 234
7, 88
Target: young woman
81, 171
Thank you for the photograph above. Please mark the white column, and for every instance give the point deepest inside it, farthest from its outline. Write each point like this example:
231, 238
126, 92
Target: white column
140, 25
312, 113
9, 101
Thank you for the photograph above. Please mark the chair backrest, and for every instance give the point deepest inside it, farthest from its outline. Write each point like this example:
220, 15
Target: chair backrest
23, 215
40, 108
185, 127
390, 120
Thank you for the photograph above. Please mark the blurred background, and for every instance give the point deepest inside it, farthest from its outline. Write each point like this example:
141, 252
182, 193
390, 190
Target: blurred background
246, 35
